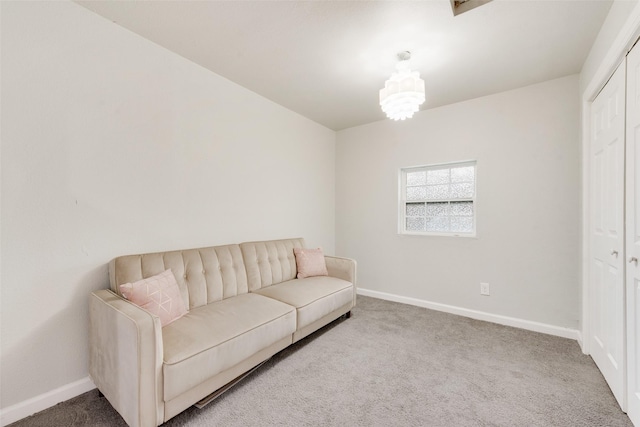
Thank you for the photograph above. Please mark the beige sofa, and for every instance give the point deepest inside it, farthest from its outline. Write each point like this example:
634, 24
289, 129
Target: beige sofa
245, 305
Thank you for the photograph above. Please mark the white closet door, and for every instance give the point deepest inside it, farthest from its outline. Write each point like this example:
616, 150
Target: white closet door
607, 296
633, 234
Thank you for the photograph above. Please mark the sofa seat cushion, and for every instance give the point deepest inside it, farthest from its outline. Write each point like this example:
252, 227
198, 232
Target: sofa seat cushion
217, 336
313, 297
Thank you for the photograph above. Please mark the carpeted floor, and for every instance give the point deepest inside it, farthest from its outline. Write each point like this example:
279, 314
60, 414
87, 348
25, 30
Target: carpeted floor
398, 365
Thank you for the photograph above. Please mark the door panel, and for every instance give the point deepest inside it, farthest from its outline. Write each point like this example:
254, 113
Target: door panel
615, 175
607, 293
633, 234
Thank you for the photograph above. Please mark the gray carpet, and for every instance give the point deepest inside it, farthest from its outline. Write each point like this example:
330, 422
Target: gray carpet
398, 365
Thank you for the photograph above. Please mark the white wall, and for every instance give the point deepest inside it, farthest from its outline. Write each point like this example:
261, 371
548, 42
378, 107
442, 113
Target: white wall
113, 145
526, 143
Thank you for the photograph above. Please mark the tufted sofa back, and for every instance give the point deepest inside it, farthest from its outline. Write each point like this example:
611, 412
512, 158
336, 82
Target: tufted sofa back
204, 275
270, 262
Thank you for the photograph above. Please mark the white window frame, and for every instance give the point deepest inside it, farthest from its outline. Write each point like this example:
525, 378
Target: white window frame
402, 199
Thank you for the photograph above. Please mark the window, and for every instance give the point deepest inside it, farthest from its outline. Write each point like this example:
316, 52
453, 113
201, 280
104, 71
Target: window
438, 199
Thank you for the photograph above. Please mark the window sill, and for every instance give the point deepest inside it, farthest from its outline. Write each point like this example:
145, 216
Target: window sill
426, 234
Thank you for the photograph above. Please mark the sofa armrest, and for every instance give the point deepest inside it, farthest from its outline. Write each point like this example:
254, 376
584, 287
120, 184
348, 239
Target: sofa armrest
125, 358
343, 268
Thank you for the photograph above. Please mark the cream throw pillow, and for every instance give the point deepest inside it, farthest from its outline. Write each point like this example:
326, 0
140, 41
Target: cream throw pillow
310, 262
158, 295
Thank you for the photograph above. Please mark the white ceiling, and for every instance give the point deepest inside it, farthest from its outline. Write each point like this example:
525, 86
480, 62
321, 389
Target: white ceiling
327, 60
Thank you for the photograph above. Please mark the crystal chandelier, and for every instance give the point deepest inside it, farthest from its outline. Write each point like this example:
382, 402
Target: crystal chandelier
403, 93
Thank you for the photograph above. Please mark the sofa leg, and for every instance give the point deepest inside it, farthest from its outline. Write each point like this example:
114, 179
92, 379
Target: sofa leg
348, 315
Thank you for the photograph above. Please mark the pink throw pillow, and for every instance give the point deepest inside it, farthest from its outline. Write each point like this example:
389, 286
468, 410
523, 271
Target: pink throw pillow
310, 262
159, 295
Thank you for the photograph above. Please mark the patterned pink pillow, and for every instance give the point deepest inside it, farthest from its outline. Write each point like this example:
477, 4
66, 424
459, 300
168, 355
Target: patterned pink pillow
158, 295
310, 262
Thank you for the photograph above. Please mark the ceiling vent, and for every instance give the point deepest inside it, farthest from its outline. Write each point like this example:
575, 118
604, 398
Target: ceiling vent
461, 6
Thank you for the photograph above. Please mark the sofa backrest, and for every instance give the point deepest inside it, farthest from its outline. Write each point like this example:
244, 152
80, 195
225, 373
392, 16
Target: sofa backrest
270, 262
204, 275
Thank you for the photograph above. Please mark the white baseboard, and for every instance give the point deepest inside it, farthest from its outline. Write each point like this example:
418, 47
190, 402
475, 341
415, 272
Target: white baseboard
581, 342
46, 400
478, 315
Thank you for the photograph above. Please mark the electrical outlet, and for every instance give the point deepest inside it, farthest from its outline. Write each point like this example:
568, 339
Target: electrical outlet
484, 289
